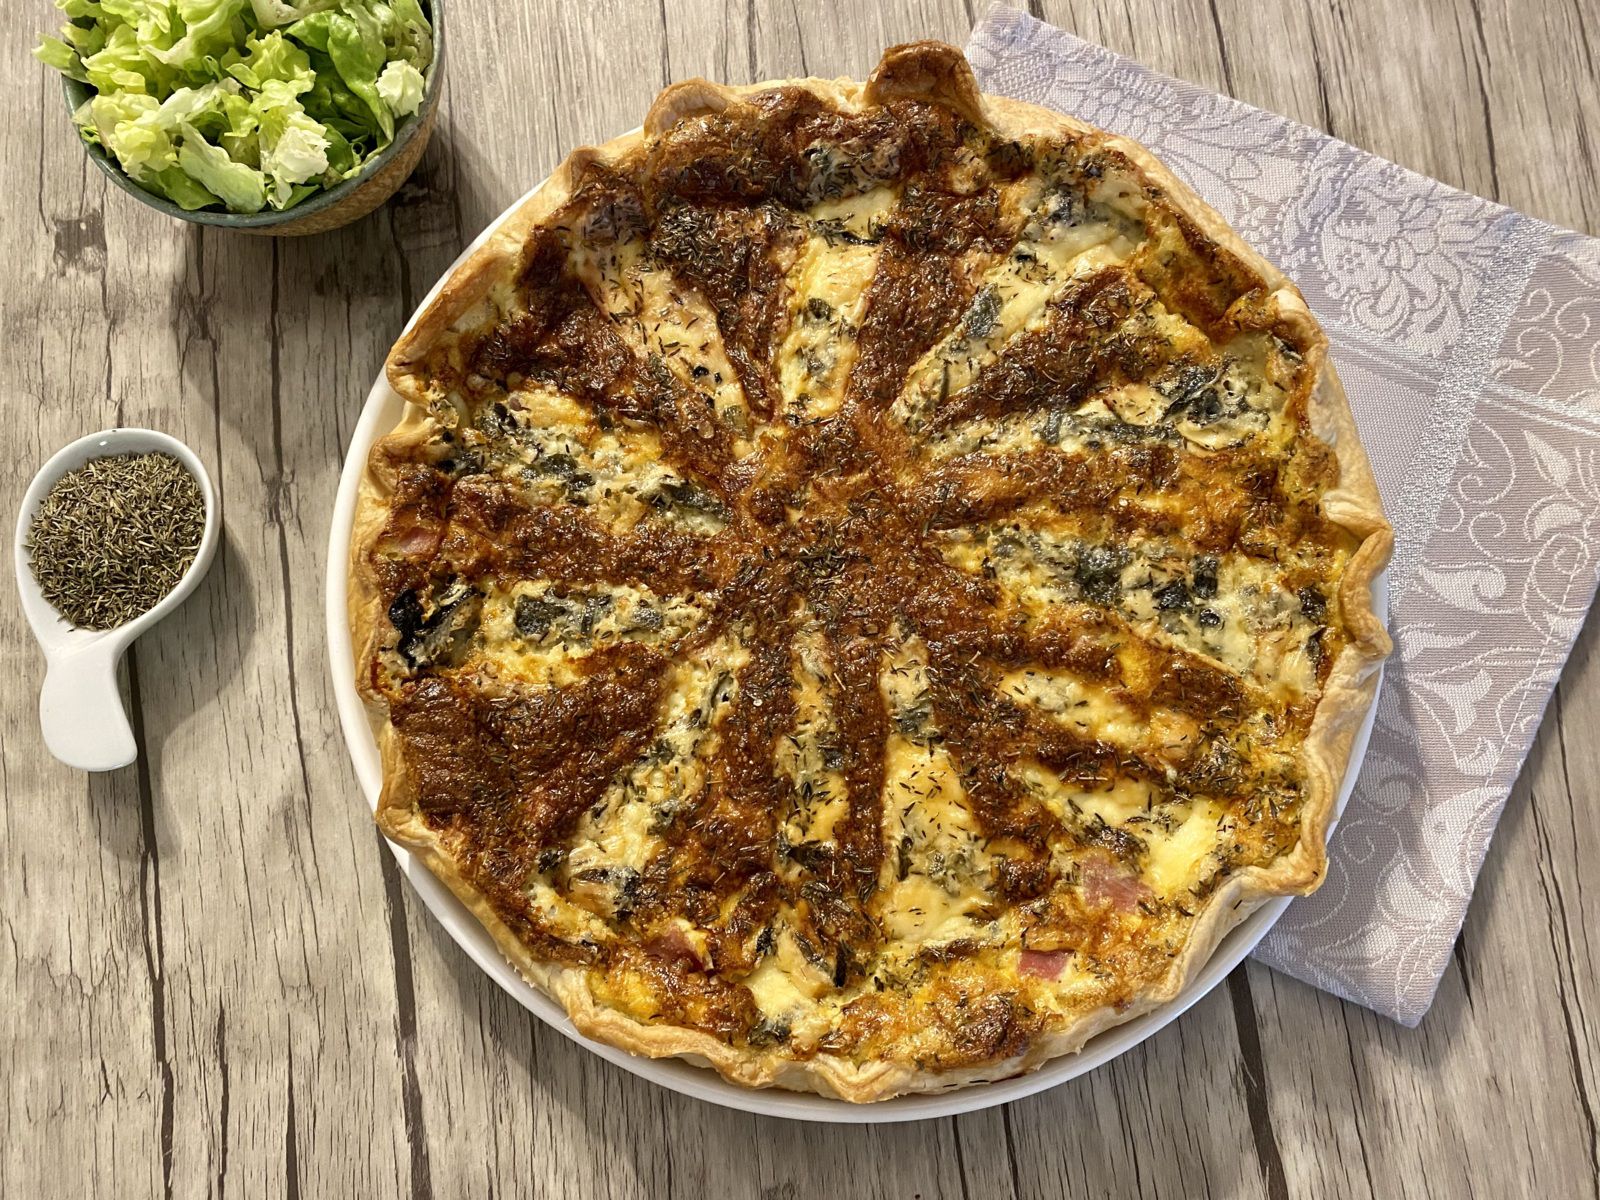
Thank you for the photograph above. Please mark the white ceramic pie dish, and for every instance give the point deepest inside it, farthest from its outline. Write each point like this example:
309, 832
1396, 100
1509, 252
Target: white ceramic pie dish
383, 410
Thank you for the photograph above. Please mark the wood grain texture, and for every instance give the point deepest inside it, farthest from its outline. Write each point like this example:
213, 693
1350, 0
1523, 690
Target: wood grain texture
218, 984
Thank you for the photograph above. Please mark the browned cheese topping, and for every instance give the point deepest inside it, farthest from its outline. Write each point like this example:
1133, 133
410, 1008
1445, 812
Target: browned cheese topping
863, 583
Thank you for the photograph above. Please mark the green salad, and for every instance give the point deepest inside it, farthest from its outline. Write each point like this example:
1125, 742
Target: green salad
247, 104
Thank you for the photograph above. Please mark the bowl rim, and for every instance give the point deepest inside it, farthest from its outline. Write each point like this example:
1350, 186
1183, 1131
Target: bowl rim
76, 92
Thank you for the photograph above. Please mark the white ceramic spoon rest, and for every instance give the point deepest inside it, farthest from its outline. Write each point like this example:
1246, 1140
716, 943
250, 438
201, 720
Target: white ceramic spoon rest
80, 709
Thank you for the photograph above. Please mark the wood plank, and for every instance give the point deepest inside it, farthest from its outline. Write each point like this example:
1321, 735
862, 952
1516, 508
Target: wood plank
1540, 95
1169, 1119
1094, 1136
87, 1048
499, 1096
256, 838
1178, 38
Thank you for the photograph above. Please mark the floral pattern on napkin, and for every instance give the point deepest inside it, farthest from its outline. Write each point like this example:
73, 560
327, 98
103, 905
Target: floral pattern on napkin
1468, 338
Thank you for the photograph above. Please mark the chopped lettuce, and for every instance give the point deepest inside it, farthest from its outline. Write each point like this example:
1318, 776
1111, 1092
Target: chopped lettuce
243, 104
236, 185
400, 85
208, 27
54, 52
355, 43
293, 147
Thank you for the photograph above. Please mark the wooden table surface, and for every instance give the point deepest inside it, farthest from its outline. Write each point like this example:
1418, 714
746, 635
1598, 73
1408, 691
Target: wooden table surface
218, 984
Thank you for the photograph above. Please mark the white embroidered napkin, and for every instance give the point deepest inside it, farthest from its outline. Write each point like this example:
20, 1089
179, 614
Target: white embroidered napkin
1468, 339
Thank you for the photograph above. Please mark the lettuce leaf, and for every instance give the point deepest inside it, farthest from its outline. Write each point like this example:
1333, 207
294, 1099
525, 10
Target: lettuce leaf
54, 52
273, 57
240, 187
175, 184
408, 35
355, 44
270, 13
400, 86
208, 27
294, 147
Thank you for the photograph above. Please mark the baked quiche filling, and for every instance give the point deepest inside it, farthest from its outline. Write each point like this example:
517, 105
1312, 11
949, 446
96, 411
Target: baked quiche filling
857, 583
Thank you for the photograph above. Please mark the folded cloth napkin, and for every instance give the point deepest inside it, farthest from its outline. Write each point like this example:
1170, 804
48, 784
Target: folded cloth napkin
1468, 339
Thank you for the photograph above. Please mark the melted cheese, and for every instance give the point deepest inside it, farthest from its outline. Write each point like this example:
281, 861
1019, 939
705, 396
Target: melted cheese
661, 319
934, 871
827, 292
1177, 860
1179, 837
618, 831
1012, 296
539, 633
809, 755
1085, 707
556, 453
1125, 801
1252, 623
793, 993
1243, 403
775, 991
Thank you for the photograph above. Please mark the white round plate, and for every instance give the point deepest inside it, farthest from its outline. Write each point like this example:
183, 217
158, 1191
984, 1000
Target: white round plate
383, 411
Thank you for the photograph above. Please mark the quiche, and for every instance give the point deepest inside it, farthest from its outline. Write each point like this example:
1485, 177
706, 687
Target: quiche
872, 582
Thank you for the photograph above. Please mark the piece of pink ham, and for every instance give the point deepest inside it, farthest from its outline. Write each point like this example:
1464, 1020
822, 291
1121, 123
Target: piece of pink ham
421, 540
1043, 964
1105, 883
673, 943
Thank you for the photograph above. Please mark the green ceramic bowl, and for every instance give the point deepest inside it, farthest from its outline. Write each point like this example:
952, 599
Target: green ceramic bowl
351, 200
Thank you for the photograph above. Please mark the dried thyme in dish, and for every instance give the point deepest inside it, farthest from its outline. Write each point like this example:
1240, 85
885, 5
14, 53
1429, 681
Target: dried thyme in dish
114, 536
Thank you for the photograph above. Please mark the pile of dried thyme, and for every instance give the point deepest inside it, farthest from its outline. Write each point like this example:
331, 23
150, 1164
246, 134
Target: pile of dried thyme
114, 536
